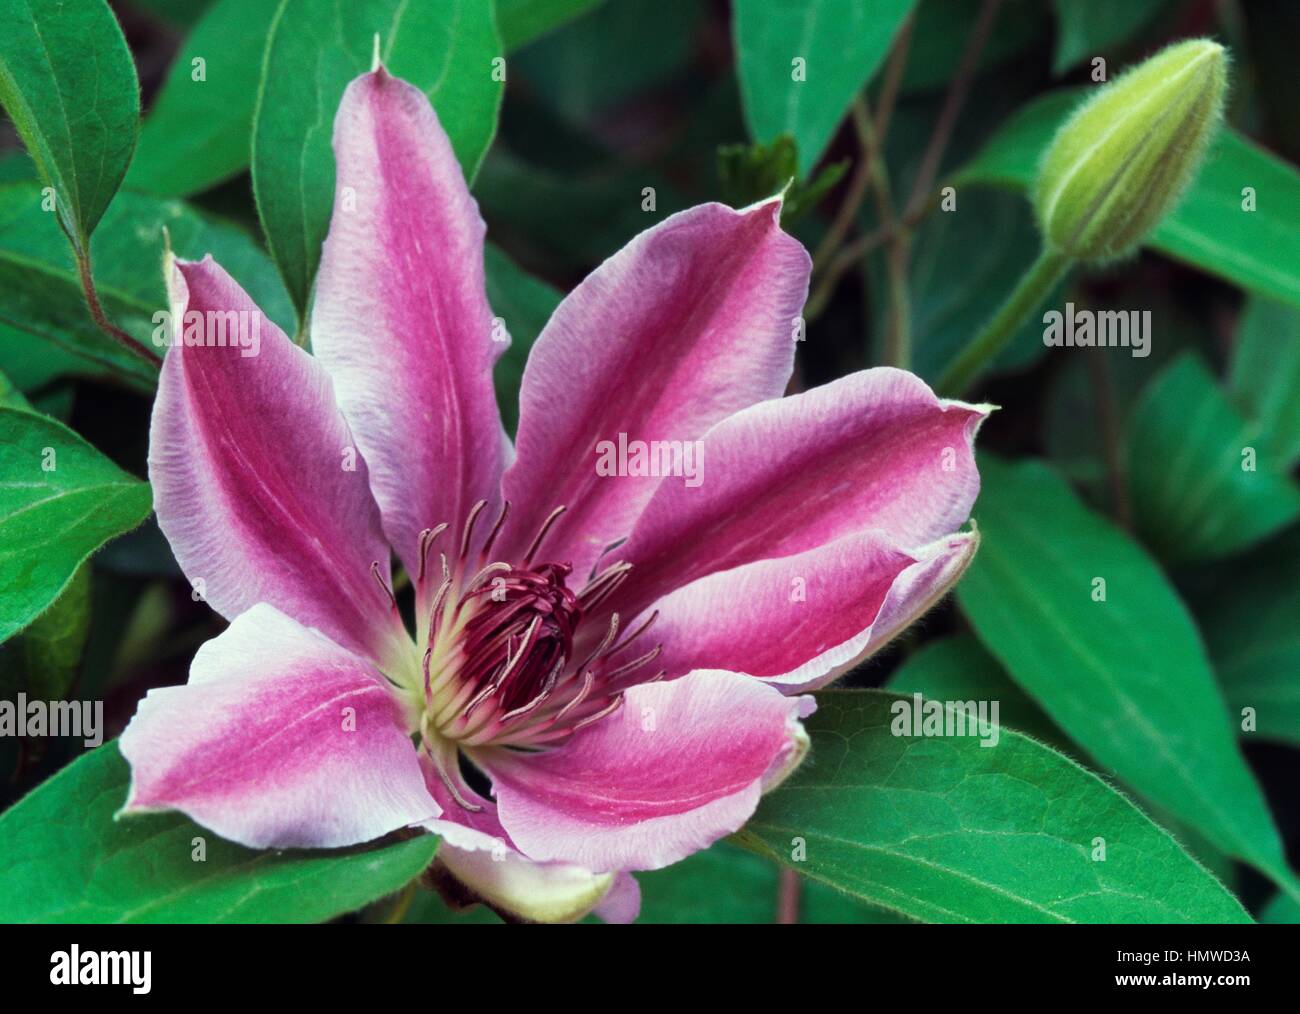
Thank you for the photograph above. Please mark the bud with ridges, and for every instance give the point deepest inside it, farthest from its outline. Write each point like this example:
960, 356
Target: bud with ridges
1121, 161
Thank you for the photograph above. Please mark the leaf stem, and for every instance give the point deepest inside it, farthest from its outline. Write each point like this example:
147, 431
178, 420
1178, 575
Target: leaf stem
101, 319
1029, 294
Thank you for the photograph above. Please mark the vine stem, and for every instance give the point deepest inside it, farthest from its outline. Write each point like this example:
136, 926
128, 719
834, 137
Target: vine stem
1029, 294
870, 153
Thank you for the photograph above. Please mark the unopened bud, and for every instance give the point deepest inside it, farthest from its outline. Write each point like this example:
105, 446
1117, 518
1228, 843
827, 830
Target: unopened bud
1122, 160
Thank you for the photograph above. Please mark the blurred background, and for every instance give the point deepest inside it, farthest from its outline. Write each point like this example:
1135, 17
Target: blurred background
625, 95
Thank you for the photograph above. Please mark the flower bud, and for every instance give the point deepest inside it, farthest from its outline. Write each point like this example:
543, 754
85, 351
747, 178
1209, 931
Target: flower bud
1123, 158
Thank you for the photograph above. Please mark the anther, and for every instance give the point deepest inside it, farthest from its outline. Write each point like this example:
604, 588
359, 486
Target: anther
541, 534
426, 540
455, 792
496, 528
383, 585
604, 712
474, 512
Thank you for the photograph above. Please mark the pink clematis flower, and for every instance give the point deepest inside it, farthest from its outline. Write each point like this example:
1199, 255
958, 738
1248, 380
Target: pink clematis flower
623, 658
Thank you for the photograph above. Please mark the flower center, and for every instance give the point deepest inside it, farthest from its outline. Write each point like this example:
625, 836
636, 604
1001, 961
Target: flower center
508, 659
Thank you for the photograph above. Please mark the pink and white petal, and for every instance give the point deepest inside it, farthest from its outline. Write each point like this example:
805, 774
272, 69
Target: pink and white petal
256, 479
691, 321
801, 621
623, 902
518, 888
679, 766
401, 317
478, 853
873, 450
472, 830
281, 739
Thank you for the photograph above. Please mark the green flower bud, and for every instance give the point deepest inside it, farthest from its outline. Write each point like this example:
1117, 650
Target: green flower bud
1121, 161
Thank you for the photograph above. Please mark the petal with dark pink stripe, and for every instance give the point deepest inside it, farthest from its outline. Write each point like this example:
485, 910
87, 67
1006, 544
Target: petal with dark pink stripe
257, 482
691, 321
873, 450
679, 766
281, 739
478, 853
401, 317
800, 621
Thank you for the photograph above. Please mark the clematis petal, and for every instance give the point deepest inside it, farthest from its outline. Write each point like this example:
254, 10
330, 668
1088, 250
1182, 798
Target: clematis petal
401, 317
873, 450
681, 765
280, 739
800, 621
623, 902
691, 321
256, 481
486, 867
520, 889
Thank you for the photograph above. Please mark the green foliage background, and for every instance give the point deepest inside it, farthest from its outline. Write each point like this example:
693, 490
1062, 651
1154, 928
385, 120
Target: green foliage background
1123, 718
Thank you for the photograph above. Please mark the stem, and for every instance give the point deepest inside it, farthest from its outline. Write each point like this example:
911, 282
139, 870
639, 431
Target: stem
920, 199
1029, 294
952, 104
870, 152
788, 889
898, 334
101, 319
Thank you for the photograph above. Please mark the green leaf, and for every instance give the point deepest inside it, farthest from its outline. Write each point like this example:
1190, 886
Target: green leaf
525, 304
954, 294
68, 83
522, 21
1248, 613
60, 500
615, 55
575, 218
841, 43
1282, 909
67, 860
725, 884
1087, 28
748, 173
1125, 677
43, 660
1257, 250
1265, 378
722, 884
316, 47
183, 13
945, 830
40, 295
198, 132
959, 668
1193, 496
943, 27
11, 397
